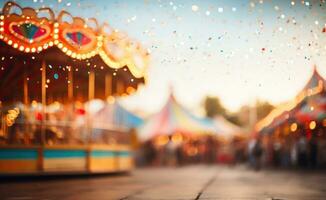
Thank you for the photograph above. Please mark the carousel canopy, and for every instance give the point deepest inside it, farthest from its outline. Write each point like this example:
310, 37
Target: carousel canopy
309, 104
31, 39
175, 118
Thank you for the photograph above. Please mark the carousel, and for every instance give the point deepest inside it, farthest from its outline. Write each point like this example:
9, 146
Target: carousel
52, 70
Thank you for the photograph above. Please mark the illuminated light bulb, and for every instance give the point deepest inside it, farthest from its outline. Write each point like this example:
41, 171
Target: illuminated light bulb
1, 23
293, 127
45, 46
312, 125
56, 31
21, 48
69, 52
27, 49
177, 137
10, 42
1, 29
33, 49
15, 45
60, 45
73, 55
2, 17
78, 56
111, 99
56, 24
64, 49
51, 44
56, 42
39, 48
83, 56
56, 36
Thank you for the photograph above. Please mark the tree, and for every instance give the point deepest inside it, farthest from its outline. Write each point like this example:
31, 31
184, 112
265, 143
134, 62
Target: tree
213, 107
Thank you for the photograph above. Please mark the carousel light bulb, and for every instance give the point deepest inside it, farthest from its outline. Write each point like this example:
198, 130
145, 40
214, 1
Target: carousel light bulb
293, 127
27, 50
15, 45
33, 49
111, 99
73, 55
56, 30
1, 23
312, 125
1, 29
56, 36
69, 52
51, 44
56, 24
39, 48
60, 45
21, 48
2, 17
64, 49
56, 42
10, 42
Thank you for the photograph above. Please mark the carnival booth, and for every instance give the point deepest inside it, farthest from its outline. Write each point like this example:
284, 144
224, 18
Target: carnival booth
298, 122
176, 131
50, 67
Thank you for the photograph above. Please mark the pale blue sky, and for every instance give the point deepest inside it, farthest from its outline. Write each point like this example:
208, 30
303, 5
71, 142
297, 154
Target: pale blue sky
237, 50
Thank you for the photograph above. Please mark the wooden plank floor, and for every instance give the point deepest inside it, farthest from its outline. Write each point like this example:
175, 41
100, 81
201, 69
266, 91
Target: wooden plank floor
186, 183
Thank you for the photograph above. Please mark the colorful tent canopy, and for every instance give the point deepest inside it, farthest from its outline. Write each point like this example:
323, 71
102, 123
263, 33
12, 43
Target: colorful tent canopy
225, 128
175, 118
112, 115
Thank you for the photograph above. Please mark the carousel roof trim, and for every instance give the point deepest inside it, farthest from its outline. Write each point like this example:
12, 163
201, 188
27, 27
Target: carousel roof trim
30, 33
308, 90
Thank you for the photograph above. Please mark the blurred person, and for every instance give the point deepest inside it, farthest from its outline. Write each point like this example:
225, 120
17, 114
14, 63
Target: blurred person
302, 151
149, 153
313, 151
277, 153
251, 145
258, 152
170, 153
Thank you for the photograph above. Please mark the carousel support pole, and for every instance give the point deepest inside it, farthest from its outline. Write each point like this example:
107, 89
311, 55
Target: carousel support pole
43, 102
27, 137
108, 85
91, 85
43, 142
26, 100
91, 94
70, 85
120, 87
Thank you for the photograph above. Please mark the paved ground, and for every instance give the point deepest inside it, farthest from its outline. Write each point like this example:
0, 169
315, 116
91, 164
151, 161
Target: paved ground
195, 182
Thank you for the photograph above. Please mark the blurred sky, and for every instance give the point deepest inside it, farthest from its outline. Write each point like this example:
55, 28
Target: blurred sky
237, 50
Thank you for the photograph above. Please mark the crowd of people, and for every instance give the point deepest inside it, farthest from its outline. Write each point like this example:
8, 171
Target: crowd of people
298, 151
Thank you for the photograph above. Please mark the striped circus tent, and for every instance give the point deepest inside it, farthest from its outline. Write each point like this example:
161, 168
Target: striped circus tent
112, 115
175, 118
226, 129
